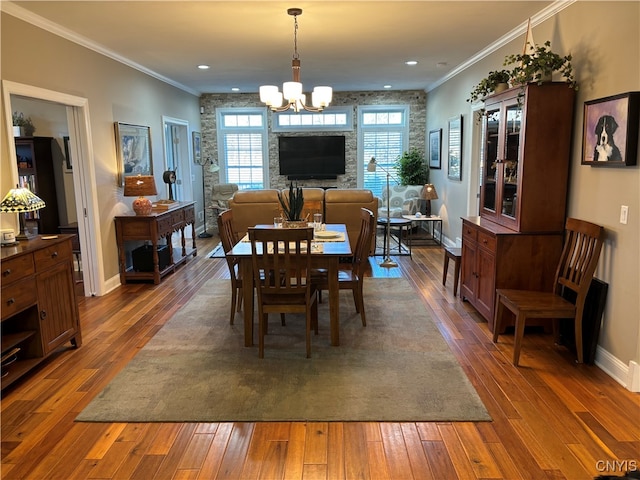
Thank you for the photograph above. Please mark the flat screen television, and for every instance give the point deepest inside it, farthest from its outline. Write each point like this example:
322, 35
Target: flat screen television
312, 157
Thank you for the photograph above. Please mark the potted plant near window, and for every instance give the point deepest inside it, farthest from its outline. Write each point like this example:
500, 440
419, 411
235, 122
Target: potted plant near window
497, 81
413, 172
412, 169
292, 207
22, 126
538, 65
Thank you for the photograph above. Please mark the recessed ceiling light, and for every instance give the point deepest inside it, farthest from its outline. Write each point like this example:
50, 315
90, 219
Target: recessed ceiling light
411, 62
235, 89
203, 67
387, 86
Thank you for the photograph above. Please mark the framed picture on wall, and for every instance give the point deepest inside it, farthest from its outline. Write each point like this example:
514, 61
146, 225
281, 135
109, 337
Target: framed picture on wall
435, 147
133, 148
610, 131
197, 148
455, 148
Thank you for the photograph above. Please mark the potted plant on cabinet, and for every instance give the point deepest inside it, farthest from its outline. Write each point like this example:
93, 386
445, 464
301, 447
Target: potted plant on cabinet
538, 65
22, 126
497, 81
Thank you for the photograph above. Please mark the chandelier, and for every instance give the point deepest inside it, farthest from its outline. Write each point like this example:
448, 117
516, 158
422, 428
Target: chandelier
291, 93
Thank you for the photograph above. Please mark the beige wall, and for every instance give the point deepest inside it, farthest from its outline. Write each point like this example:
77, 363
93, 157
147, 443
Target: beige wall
115, 92
606, 59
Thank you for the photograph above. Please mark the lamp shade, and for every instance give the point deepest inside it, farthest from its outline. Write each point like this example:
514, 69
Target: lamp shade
21, 200
139, 186
429, 192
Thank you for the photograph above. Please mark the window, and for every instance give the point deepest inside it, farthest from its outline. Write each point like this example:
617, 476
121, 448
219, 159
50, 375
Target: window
384, 135
242, 147
330, 119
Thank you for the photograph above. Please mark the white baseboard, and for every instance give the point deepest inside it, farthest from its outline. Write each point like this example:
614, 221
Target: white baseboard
447, 242
634, 377
627, 376
112, 284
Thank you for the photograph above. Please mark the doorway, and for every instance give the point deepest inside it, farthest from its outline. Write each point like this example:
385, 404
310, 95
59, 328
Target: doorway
177, 152
84, 202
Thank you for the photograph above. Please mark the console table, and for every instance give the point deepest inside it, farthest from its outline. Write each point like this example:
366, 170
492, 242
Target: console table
159, 225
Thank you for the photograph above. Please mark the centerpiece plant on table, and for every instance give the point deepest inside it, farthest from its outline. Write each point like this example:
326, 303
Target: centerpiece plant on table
292, 204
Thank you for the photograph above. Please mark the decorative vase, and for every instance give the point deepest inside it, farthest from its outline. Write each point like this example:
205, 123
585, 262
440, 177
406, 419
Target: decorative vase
17, 131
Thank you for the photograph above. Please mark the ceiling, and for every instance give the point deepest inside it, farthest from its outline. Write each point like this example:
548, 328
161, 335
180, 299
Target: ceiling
357, 45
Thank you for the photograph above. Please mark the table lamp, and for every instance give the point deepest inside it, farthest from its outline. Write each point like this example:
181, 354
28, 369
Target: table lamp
428, 193
21, 200
387, 262
139, 186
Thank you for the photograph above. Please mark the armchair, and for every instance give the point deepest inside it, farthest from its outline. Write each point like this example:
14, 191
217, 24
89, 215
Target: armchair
404, 200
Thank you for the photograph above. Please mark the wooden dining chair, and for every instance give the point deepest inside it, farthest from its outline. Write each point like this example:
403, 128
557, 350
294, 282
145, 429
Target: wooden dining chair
229, 238
351, 275
578, 262
281, 259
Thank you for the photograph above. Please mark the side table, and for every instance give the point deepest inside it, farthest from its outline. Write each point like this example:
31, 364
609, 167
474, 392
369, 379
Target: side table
399, 224
431, 221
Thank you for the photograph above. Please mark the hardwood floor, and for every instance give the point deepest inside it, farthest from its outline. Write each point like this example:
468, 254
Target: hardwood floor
552, 419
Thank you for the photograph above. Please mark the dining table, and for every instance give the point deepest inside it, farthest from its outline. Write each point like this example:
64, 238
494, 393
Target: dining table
329, 245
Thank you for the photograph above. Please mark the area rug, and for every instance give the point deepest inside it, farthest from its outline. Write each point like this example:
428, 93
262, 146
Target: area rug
196, 368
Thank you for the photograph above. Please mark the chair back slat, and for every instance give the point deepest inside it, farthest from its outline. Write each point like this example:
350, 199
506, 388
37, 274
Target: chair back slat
225, 228
228, 237
281, 260
580, 256
361, 254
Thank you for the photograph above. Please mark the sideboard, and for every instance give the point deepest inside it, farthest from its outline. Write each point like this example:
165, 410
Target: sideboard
159, 226
39, 309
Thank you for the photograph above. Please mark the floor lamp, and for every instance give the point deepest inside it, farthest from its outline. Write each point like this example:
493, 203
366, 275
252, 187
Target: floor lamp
387, 262
213, 168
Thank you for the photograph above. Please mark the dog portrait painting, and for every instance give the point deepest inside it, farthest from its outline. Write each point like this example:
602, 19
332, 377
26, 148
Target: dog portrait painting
606, 149
610, 134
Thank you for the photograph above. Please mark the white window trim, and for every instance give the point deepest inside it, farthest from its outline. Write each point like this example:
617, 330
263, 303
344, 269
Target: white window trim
362, 109
347, 110
221, 130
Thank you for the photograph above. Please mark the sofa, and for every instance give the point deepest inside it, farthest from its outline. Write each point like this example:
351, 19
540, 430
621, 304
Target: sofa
405, 200
252, 207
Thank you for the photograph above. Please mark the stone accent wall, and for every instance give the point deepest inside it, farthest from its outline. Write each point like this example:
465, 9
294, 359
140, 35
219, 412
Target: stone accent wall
416, 99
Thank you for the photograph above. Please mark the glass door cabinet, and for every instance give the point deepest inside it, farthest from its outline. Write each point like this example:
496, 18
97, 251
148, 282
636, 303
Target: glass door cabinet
526, 147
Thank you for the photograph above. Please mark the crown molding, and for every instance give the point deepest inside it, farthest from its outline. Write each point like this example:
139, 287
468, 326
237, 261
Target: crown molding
521, 29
